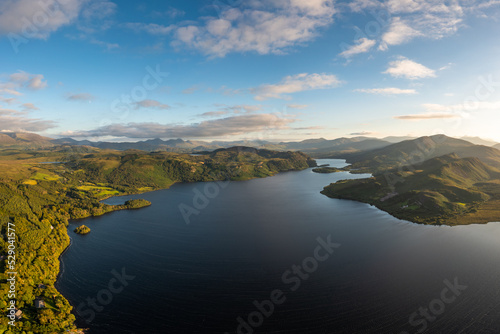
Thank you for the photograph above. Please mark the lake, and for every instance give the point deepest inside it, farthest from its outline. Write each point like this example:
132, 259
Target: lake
273, 255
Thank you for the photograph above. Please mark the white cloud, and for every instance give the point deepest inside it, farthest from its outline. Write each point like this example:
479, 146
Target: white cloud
428, 116
466, 106
86, 97
399, 32
359, 6
31, 81
215, 113
234, 125
191, 89
234, 109
151, 104
171, 13
430, 19
37, 19
174, 12
19, 80
362, 133
362, 45
485, 4
294, 84
107, 45
99, 9
297, 106
446, 67
151, 28
243, 108
258, 26
29, 106
6, 89
228, 91
409, 69
15, 121
8, 100
388, 91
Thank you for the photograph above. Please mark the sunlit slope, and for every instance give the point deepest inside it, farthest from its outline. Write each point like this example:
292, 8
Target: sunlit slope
442, 190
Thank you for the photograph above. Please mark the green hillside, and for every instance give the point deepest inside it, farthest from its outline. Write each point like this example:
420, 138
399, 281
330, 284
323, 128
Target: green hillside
416, 151
40, 190
443, 190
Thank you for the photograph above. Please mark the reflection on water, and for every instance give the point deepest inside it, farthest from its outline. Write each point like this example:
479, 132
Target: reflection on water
202, 277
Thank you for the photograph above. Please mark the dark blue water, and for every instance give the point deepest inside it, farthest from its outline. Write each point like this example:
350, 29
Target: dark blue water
239, 249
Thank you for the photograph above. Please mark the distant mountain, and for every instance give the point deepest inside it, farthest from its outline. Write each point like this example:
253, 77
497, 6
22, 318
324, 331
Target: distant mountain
480, 141
415, 151
323, 148
6, 140
319, 147
24, 140
356, 149
321, 143
497, 146
172, 145
394, 139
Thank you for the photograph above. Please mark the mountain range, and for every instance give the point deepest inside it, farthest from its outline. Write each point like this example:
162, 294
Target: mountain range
355, 149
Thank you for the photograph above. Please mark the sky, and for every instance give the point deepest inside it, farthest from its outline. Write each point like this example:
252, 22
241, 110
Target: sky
276, 70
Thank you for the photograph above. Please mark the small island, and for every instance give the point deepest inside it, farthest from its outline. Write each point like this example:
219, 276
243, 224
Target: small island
327, 170
82, 230
137, 203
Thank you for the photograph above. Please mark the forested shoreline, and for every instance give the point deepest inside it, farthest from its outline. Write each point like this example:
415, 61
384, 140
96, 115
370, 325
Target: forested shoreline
38, 199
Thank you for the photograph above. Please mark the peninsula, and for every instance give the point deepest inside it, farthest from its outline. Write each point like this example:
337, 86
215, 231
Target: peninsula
434, 180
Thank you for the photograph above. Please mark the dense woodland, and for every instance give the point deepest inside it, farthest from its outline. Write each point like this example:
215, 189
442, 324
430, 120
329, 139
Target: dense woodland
39, 199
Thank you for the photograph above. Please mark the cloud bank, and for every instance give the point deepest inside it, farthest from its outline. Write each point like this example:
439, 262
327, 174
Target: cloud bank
294, 84
234, 125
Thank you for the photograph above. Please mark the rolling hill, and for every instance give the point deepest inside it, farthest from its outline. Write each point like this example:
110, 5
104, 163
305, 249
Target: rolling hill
24, 140
415, 151
443, 190
480, 141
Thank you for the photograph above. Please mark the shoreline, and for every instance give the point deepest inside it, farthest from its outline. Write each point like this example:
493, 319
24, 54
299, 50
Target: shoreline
61, 263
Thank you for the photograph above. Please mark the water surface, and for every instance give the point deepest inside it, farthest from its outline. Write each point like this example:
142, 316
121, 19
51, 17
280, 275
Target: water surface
200, 277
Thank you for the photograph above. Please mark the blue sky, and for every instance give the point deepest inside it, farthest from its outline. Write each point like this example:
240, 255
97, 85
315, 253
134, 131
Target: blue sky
233, 69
